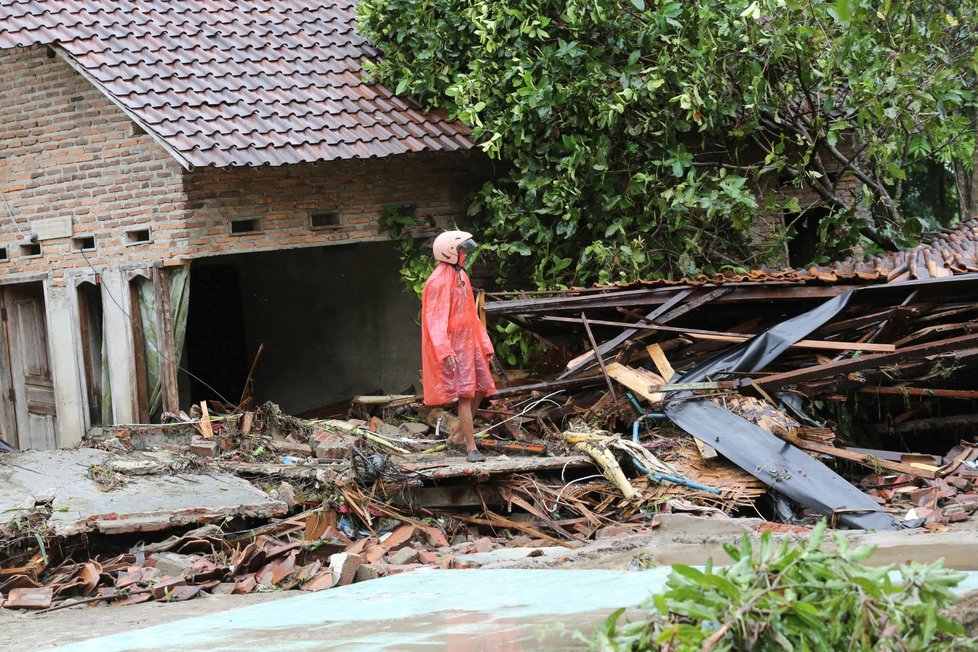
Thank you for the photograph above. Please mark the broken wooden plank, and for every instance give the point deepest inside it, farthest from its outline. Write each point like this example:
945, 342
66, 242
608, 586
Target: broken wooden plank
457, 467
692, 304
900, 390
831, 369
661, 361
868, 460
597, 354
546, 388
581, 361
641, 381
698, 333
827, 345
205, 422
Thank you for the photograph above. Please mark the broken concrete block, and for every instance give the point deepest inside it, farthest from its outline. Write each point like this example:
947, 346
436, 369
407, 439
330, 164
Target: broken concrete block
203, 447
411, 429
343, 566
294, 448
172, 564
483, 545
329, 445
286, 493
403, 556
435, 536
367, 572
427, 558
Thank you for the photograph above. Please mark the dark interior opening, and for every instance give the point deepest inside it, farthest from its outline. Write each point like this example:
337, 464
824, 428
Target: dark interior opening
335, 322
90, 321
803, 247
216, 346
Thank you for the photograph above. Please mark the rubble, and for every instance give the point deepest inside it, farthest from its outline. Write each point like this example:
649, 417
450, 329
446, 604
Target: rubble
793, 400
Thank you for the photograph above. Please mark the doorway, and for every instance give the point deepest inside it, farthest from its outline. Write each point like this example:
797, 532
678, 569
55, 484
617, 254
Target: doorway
30, 415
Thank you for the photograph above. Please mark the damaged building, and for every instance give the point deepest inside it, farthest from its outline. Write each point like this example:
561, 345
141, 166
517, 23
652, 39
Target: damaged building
185, 186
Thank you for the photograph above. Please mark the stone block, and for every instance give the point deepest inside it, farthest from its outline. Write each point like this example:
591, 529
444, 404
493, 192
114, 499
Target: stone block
203, 447
403, 556
343, 566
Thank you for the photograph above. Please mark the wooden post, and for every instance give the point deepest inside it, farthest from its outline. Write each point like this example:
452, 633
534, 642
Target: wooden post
164, 335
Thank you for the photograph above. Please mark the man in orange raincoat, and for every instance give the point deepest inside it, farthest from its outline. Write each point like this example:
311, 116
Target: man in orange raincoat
455, 347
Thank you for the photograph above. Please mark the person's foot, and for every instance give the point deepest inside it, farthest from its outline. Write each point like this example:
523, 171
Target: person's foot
455, 446
475, 456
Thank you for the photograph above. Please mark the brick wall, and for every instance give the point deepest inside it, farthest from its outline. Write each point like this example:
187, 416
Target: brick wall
66, 150
281, 200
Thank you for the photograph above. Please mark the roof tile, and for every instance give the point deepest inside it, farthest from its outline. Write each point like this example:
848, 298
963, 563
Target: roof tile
223, 83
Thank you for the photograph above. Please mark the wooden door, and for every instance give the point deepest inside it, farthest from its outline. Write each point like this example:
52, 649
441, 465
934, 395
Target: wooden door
31, 381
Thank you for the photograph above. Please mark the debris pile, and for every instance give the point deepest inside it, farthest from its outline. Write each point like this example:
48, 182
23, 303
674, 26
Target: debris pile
789, 397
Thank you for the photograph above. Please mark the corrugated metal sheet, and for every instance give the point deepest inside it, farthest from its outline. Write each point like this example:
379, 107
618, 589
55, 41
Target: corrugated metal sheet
226, 82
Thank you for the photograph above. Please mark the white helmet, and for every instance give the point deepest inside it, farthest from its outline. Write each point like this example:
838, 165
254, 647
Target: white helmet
447, 245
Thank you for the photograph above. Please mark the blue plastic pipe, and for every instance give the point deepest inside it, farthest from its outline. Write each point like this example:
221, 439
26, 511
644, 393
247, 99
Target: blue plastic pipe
655, 416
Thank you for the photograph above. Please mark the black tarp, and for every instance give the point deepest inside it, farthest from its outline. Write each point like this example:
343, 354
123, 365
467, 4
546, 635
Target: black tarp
776, 463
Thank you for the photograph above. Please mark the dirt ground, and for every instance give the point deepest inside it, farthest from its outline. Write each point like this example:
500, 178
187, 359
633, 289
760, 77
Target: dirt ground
679, 539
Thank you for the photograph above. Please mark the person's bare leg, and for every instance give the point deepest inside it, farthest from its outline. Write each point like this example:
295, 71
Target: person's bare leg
466, 429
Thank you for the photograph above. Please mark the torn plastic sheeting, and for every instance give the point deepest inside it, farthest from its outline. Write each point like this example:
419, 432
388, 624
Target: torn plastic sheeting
781, 466
778, 464
763, 349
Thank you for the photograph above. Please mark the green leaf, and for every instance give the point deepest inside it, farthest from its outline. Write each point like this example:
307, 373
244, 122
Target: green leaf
639, 4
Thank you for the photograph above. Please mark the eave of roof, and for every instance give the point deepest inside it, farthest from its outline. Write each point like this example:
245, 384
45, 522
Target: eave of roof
223, 83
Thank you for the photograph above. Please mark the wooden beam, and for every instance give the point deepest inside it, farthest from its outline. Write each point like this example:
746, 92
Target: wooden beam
827, 345
698, 333
164, 336
580, 362
640, 381
661, 361
861, 458
546, 388
900, 390
597, 354
613, 299
691, 305
842, 367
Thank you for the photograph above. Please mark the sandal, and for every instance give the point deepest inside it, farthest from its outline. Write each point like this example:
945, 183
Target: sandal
475, 456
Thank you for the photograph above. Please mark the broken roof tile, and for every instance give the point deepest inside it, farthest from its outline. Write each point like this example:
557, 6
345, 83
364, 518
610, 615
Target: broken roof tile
225, 83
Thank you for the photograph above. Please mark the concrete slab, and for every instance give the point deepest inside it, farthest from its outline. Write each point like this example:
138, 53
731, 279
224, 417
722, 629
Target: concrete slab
146, 503
427, 609
423, 610
440, 467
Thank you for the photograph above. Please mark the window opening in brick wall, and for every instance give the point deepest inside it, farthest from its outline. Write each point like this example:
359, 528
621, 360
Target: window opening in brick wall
803, 245
3, 254
138, 236
240, 227
85, 243
324, 220
136, 130
32, 249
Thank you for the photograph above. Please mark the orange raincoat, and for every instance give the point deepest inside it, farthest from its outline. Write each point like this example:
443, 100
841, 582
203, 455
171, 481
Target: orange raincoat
450, 326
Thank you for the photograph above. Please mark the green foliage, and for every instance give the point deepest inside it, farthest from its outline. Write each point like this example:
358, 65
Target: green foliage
641, 134
795, 597
417, 263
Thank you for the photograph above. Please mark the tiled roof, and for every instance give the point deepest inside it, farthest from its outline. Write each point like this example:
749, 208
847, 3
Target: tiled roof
947, 253
235, 82
950, 252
